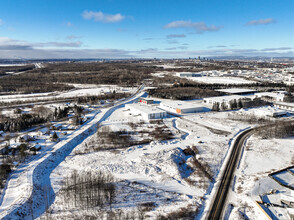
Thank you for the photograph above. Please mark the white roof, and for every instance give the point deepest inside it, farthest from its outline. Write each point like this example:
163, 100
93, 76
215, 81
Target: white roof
290, 104
181, 104
236, 90
145, 108
270, 94
225, 98
268, 110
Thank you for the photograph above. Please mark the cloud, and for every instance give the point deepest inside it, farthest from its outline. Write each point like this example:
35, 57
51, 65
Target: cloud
10, 44
60, 44
278, 48
69, 24
261, 21
199, 27
15, 47
172, 42
102, 17
1, 21
121, 30
177, 48
176, 36
72, 37
171, 48
10, 48
149, 50
217, 46
148, 38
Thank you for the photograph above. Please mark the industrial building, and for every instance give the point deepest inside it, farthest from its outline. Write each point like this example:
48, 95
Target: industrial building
285, 106
237, 91
146, 101
146, 111
181, 107
272, 96
269, 112
223, 99
187, 74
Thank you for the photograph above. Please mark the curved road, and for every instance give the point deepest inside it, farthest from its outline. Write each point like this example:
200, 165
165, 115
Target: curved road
38, 193
218, 206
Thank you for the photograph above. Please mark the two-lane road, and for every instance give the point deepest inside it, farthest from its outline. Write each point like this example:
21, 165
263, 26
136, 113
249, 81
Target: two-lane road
218, 206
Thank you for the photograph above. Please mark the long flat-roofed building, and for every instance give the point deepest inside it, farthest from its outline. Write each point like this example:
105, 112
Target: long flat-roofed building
181, 107
146, 111
275, 96
237, 91
220, 99
285, 105
188, 74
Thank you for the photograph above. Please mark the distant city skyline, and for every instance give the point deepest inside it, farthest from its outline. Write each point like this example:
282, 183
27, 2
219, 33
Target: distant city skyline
146, 29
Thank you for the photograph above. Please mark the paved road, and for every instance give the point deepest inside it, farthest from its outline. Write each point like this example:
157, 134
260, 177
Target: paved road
218, 206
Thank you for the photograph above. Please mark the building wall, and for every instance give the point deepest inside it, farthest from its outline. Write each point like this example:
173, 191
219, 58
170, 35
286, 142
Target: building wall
180, 110
285, 107
157, 115
145, 115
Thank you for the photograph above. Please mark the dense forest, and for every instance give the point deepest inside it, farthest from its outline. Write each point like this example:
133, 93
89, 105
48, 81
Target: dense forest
5, 69
182, 93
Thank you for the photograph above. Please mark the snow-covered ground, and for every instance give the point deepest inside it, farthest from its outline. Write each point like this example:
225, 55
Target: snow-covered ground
80, 90
220, 80
259, 158
159, 171
22, 197
160, 74
170, 66
160, 166
16, 64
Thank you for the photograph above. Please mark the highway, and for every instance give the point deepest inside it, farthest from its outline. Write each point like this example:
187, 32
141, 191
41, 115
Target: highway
218, 205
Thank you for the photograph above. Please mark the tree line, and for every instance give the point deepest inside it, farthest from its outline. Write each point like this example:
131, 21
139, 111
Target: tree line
182, 93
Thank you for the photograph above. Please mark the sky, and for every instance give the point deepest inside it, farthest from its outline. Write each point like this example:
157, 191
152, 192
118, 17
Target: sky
145, 28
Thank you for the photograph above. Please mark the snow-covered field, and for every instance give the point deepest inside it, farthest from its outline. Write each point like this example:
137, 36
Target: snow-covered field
80, 90
259, 158
160, 167
25, 190
170, 66
160, 74
16, 64
220, 80
159, 172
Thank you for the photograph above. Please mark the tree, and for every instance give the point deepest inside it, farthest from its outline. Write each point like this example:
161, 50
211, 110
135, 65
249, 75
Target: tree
223, 106
233, 104
55, 136
239, 104
215, 107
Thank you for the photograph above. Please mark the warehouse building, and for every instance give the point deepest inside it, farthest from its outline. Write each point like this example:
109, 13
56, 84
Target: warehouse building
272, 96
187, 74
237, 91
146, 111
223, 99
181, 107
285, 106
146, 101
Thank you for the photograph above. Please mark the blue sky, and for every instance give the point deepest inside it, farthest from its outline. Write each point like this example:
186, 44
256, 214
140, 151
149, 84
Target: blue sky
150, 28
